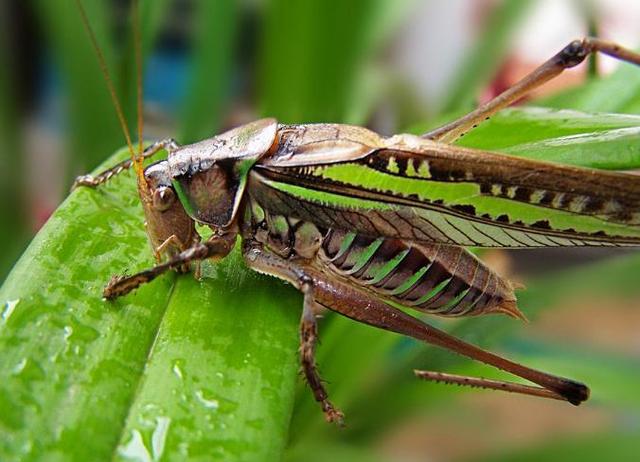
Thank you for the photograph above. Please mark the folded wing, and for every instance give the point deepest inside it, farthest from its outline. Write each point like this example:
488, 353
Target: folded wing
410, 188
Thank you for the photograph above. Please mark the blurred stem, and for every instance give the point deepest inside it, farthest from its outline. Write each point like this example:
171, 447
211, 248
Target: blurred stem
590, 13
12, 171
313, 55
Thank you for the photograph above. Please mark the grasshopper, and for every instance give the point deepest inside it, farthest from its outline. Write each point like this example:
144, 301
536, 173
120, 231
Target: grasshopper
368, 226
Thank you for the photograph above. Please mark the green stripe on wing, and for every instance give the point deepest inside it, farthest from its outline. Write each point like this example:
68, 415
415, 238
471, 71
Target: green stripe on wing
354, 196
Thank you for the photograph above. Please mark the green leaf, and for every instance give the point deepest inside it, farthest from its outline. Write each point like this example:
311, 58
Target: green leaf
619, 92
606, 141
321, 451
188, 369
597, 140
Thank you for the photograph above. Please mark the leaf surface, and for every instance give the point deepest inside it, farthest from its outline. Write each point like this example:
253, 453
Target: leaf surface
177, 368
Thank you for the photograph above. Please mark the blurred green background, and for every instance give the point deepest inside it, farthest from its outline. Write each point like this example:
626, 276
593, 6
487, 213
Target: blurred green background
392, 66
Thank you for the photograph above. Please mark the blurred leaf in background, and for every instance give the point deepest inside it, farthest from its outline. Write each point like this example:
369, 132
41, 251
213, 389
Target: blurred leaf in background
314, 54
152, 383
91, 128
13, 213
485, 57
213, 64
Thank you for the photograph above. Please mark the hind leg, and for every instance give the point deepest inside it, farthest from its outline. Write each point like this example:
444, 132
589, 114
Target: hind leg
266, 262
570, 56
361, 306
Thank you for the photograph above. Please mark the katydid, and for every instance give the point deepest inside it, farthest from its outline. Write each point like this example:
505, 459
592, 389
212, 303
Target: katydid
367, 226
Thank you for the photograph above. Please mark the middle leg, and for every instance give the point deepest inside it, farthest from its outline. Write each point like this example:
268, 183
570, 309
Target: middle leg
265, 262
308, 340
324, 290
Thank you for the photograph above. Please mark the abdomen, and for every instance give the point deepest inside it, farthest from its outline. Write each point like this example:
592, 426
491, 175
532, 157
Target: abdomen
440, 279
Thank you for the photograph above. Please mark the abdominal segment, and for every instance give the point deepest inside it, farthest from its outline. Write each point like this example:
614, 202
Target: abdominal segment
440, 279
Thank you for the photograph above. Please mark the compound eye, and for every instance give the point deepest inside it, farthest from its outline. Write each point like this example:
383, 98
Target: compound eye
163, 197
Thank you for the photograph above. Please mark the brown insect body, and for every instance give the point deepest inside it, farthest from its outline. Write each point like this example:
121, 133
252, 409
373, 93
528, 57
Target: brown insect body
398, 270
435, 278
362, 224
227, 183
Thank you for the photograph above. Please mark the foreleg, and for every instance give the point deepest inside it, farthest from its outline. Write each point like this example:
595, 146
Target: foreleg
216, 247
102, 177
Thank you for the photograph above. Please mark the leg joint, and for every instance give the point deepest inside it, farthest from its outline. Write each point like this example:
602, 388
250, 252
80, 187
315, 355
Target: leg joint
574, 53
170, 144
305, 281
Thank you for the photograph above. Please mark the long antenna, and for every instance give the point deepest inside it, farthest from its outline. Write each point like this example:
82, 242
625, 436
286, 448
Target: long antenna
139, 71
142, 184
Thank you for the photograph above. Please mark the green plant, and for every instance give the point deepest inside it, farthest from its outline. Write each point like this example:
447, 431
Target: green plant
182, 368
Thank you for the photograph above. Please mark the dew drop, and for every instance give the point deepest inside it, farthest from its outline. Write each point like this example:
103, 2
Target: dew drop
68, 331
18, 368
135, 449
208, 403
177, 371
159, 437
9, 306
